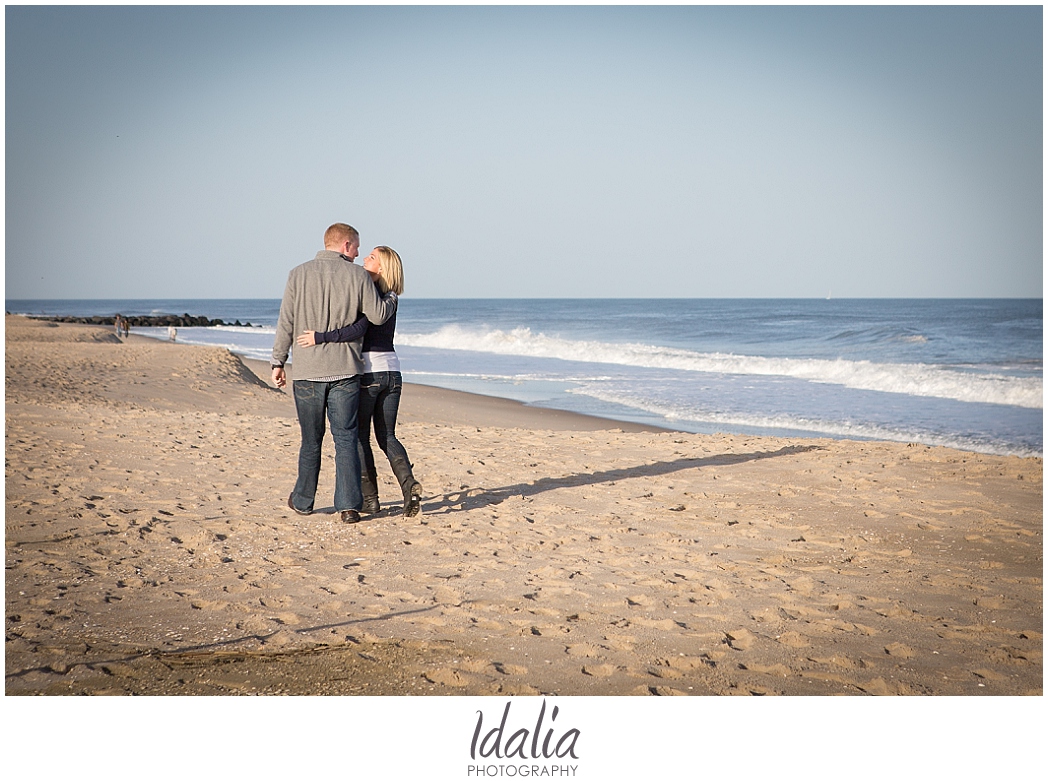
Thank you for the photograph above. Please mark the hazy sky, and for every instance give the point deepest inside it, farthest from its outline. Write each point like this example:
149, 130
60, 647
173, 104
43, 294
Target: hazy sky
200, 152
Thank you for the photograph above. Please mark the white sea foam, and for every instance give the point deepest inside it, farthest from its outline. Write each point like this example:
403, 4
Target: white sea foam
836, 429
268, 330
907, 379
518, 377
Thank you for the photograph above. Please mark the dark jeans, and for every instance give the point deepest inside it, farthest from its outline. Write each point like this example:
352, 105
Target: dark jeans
339, 401
379, 402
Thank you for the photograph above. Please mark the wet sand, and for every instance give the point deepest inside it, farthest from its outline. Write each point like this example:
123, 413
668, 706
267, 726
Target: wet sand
149, 548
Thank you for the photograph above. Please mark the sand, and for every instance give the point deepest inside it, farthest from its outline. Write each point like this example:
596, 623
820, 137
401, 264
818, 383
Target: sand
149, 548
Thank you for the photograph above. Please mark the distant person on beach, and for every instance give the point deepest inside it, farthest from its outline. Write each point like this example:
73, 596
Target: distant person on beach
323, 294
118, 324
380, 386
126, 325
172, 333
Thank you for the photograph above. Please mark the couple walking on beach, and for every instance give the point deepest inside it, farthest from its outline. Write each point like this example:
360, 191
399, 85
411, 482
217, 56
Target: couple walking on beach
345, 370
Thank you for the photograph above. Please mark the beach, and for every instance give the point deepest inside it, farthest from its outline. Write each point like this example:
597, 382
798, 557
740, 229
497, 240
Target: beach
150, 549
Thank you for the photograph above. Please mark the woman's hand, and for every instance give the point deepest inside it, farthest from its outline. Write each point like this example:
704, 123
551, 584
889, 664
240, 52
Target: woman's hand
307, 339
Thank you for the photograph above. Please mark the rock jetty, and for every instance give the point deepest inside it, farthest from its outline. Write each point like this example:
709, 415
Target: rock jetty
141, 321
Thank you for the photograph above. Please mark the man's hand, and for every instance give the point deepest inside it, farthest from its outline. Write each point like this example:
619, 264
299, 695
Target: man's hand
307, 339
279, 378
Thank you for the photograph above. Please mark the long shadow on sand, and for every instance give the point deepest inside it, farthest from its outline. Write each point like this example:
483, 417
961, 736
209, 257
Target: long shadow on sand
205, 650
471, 498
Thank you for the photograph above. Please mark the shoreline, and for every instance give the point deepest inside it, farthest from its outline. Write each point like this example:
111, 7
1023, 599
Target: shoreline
149, 549
452, 408
1005, 431
429, 403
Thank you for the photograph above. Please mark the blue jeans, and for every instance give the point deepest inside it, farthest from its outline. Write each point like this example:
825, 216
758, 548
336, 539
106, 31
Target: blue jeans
338, 400
379, 403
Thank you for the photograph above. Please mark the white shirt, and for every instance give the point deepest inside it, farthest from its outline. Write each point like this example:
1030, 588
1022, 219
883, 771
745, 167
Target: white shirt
380, 362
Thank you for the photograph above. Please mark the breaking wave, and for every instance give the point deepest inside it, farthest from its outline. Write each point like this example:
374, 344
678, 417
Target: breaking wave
907, 379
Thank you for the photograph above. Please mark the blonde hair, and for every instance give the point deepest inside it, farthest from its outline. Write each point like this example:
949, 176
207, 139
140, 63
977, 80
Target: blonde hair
392, 276
338, 234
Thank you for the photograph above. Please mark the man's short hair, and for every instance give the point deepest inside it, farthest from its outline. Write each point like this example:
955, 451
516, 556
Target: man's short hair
339, 233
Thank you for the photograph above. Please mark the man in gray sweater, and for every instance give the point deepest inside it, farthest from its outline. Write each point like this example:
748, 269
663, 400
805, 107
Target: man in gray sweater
328, 292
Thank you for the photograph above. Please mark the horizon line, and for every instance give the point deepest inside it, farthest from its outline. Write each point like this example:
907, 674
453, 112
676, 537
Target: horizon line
575, 298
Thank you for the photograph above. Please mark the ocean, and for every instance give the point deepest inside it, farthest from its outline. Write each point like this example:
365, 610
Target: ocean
961, 373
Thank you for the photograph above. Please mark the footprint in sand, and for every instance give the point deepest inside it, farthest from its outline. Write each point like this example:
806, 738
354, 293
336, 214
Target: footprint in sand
583, 650
667, 691
445, 676
792, 639
778, 670
741, 639
516, 690
684, 663
510, 669
899, 651
207, 604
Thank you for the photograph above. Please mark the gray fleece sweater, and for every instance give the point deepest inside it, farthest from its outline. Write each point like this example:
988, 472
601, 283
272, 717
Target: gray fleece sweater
326, 293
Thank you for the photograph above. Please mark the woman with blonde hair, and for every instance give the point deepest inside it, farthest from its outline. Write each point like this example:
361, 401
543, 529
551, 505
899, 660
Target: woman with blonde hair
380, 386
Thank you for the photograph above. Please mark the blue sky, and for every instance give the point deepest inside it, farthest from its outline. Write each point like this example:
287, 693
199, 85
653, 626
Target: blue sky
199, 152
